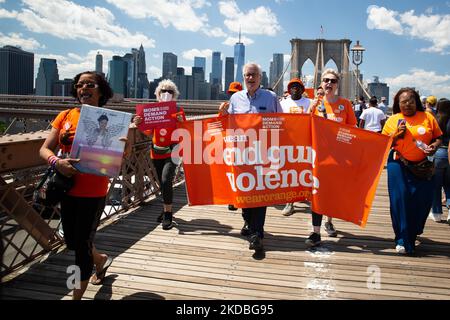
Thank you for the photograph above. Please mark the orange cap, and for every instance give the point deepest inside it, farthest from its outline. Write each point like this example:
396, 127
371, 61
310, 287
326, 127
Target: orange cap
234, 87
295, 80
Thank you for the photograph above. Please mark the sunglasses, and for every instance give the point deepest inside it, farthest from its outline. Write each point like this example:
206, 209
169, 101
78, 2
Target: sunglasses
89, 85
327, 80
168, 91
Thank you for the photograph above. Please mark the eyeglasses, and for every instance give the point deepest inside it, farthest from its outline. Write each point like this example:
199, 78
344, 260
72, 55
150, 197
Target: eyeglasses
168, 91
248, 75
89, 85
320, 94
327, 80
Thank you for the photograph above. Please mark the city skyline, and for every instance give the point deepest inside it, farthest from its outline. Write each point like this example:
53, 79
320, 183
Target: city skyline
407, 43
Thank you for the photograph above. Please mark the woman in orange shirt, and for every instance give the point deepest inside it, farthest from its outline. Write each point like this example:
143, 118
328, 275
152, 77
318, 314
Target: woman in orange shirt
336, 108
82, 207
416, 135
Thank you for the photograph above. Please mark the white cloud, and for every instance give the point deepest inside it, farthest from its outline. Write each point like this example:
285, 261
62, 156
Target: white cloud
67, 20
7, 14
426, 82
17, 40
214, 32
153, 72
72, 64
190, 54
231, 41
179, 14
434, 28
259, 21
383, 19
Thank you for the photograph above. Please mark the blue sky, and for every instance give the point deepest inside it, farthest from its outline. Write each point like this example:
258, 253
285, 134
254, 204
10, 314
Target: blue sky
407, 42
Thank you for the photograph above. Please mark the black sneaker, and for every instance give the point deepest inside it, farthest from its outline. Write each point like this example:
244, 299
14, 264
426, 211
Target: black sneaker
159, 219
313, 240
167, 221
245, 231
232, 208
329, 228
256, 243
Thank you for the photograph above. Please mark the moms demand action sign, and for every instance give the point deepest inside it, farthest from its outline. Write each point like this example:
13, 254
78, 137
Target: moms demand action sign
253, 160
157, 115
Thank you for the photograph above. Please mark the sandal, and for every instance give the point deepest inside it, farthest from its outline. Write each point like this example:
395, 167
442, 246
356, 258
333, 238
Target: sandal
100, 276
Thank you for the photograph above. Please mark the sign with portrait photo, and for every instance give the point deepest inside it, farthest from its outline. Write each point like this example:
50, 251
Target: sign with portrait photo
97, 143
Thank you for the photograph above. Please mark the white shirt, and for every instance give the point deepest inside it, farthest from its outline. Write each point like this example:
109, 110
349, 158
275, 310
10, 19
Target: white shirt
295, 106
372, 119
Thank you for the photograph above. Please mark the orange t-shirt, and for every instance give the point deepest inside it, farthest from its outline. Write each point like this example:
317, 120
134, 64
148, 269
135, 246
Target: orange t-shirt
86, 185
421, 126
340, 111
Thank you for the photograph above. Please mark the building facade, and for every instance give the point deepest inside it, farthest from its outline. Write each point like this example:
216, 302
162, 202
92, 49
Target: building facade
46, 77
169, 66
16, 71
229, 72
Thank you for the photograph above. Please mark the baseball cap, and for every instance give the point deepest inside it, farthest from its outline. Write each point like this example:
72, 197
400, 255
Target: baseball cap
234, 87
432, 100
295, 80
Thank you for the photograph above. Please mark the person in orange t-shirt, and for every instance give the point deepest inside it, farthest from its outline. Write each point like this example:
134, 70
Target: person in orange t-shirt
83, 205
416, 135
161, 152
335, 108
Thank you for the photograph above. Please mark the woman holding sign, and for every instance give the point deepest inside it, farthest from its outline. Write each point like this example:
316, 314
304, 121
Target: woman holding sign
335, 108
83, 205
416, 135
161, 151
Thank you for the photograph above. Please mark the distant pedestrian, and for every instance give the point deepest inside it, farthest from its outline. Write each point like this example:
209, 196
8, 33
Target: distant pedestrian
360, 107
383, 105
372, 118
430, 105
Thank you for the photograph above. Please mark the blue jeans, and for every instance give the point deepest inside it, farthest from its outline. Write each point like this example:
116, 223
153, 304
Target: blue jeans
441, 180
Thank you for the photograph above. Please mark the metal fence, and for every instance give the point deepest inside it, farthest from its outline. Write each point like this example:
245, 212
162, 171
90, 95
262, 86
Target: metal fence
28, 231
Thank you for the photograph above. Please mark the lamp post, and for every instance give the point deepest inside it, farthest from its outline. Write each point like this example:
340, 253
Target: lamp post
357, 58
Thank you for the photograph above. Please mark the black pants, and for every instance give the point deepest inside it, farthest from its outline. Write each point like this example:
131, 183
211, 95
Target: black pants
316, 219
255, 218
80, 218
165, 169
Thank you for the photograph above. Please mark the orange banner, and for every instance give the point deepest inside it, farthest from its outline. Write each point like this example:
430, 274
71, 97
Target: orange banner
253, 160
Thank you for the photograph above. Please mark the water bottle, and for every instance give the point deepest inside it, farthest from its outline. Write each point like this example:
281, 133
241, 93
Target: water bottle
421, 145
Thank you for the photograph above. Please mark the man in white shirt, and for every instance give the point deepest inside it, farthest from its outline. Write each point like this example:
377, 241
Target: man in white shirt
372, 118
295, 102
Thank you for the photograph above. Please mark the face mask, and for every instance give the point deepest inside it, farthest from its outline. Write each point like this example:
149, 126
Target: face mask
165, 96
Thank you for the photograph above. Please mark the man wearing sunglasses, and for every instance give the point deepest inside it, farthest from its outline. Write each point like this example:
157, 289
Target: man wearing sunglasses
338, 109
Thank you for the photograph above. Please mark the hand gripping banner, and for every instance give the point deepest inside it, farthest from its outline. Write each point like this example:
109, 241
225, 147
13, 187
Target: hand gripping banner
253, 160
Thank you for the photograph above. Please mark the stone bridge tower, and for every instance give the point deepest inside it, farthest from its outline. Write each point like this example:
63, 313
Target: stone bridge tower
320, 51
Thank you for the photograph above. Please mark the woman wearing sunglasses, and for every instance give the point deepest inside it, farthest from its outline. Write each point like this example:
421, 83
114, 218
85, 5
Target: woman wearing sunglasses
336, 108
83, 205
161, 150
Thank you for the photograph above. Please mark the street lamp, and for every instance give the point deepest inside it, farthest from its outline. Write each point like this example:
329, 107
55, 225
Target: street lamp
357, 58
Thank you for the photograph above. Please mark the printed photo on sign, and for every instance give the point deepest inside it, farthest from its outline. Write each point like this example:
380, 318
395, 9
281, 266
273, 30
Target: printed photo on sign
97, 143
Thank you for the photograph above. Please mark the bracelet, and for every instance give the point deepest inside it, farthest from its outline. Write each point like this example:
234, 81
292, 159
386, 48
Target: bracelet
52, 160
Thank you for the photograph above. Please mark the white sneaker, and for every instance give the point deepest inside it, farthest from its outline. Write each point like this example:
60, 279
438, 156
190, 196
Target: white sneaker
288, 209
436, 217
400, 249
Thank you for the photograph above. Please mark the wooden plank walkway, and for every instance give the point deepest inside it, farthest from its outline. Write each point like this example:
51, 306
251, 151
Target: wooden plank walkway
204, 257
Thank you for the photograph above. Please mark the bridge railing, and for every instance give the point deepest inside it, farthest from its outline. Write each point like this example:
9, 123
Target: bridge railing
29, 231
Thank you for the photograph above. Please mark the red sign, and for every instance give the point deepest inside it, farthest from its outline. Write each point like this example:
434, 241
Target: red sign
157, 115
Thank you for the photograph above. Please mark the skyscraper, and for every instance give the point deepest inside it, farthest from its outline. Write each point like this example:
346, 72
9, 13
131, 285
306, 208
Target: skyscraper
264, 80
170, 62
216, 74
99, 63
46, 77
200, 62
142, 80
276, 70
229, 72
378, 89
16, 71
239, 59
117, 76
